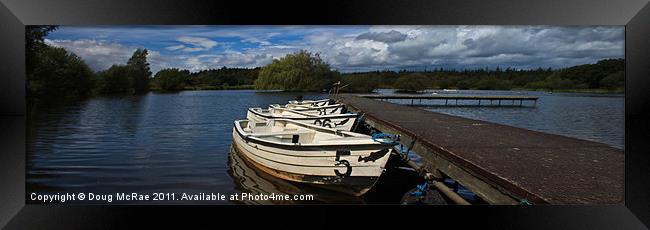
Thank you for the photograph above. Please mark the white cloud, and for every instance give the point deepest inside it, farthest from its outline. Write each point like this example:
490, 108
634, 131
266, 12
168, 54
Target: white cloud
388, 47
252, 36
256, 40
196, 43
283, 47
98, 54
102, 54
176, 47
193, 49
230, 59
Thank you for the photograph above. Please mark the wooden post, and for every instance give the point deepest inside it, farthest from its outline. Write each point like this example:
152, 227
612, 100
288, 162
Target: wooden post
450, 193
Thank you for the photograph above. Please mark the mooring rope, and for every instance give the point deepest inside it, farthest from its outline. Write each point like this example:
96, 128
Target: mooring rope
385, 138
421, 189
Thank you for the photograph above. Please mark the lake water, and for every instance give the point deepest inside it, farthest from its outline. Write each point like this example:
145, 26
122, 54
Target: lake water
589, 116
180, 142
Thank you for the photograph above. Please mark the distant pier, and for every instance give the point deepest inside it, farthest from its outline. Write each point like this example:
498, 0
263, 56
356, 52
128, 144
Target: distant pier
500, 164
452, 100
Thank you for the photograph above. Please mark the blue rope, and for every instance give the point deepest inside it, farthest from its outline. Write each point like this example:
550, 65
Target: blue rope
525, 202
385, 138
408, 150
422, 189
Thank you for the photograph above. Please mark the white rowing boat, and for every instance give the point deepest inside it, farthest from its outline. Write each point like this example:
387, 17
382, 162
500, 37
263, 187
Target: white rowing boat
314, 103
338, 160
320, 110
249, 179
343, 122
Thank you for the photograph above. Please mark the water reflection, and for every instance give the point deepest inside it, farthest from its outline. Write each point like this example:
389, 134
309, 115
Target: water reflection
250, 180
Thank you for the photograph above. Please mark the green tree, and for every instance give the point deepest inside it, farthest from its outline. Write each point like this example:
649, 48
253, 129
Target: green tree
591, 75
553, 82
300, 71
360, 83
57, 74
138, 71
493, 83
114, 80
171, 79
613, 81
222, 78
466, 82
605, 74
413, 82
34, 44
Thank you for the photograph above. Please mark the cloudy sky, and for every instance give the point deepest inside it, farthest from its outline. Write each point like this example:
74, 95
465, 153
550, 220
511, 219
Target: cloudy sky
346, 48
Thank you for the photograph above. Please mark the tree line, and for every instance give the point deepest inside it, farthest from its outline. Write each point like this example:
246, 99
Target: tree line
174, 79
606, 74
55, 73
304, 71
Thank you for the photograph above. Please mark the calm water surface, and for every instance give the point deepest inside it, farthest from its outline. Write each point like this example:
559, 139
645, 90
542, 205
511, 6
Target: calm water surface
180, 142
589, 116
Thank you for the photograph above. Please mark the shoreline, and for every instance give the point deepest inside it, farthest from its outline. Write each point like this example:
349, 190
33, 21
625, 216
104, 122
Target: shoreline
595, 91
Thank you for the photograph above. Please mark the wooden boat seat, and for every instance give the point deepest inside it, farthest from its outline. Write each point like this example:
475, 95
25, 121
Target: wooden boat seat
280, 133
341, 140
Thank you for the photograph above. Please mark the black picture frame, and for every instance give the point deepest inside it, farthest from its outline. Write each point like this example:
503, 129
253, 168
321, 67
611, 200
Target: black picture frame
634, 14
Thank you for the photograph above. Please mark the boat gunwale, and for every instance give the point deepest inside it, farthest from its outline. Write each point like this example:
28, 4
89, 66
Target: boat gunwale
306, 107
301, 146
304, 102
330, 116
305, 165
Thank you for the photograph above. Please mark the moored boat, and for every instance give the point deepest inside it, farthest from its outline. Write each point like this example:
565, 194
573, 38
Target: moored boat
314, 103
250, 179
343, 122
337, 160
320, 110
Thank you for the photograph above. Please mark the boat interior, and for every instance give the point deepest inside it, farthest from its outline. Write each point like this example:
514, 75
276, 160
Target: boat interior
310, 109
285, 131
282, 112
309, 106
321, 102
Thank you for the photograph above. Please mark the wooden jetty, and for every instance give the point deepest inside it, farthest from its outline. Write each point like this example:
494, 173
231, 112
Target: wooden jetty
452, 100
502, 164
